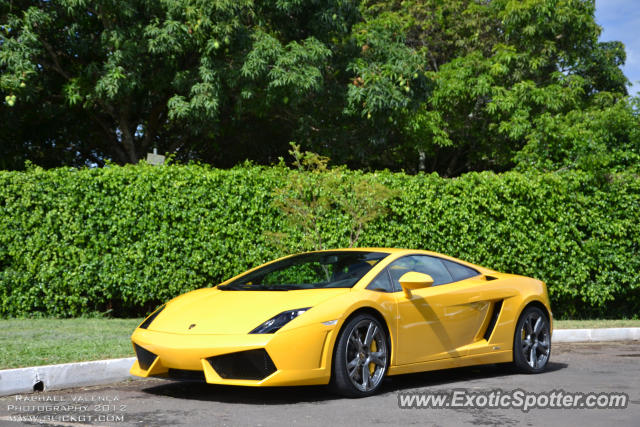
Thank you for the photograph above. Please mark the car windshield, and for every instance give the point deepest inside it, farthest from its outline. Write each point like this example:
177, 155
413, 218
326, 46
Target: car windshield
336, 269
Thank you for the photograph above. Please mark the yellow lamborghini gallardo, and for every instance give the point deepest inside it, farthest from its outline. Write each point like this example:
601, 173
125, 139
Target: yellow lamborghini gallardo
347, 318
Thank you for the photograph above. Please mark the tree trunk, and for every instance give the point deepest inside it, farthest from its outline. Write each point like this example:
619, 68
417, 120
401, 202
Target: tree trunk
128, 140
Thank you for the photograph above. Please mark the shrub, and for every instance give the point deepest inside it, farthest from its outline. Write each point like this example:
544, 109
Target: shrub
121, 240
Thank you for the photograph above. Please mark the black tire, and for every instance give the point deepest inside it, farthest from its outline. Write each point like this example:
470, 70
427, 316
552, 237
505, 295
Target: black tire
358, 368
532, 341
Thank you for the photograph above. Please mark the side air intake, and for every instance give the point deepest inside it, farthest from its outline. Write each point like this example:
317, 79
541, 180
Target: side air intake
495, 312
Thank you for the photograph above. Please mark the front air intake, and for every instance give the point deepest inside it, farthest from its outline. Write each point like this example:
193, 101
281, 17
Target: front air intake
244, 365
145, 357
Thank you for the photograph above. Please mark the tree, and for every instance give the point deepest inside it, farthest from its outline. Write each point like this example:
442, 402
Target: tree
128, 75
316, 193
446, 86
494, 71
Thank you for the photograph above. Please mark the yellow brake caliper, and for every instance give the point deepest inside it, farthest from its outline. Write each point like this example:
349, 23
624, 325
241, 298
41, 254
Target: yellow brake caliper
374, 348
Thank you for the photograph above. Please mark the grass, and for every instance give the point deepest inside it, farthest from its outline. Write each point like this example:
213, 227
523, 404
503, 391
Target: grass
33, 342
590, 324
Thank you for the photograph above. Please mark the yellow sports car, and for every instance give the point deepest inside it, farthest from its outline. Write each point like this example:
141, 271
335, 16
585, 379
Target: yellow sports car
347, 318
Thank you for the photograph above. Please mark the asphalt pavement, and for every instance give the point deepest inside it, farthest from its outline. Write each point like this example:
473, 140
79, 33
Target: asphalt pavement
583, 368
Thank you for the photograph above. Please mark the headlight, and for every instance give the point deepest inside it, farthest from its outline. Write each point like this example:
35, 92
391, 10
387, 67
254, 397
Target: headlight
276, 322
148, 320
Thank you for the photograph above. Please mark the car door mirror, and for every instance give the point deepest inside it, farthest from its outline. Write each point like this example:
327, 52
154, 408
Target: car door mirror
414, 280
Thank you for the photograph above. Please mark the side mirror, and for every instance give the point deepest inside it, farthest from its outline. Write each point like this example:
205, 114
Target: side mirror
414, 280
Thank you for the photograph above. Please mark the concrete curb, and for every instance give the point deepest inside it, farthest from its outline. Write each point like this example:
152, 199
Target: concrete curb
68, 375
589, 335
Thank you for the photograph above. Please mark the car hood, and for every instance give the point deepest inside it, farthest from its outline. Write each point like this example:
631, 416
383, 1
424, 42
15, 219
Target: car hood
212, 311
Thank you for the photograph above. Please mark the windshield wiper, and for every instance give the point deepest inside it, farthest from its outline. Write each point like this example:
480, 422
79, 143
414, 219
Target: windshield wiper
281, 288
239, 287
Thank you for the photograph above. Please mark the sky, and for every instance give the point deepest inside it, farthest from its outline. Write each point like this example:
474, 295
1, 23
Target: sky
620, 20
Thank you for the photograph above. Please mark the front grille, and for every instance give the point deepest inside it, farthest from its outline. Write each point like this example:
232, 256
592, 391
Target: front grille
185, 375
244, 365
145, 357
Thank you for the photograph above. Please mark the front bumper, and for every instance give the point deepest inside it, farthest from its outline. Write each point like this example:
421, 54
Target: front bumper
301, 356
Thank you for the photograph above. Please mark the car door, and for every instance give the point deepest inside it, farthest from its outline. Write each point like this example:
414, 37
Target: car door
438, 321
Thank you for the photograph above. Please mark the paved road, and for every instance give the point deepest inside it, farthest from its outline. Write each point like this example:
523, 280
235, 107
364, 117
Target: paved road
584, 367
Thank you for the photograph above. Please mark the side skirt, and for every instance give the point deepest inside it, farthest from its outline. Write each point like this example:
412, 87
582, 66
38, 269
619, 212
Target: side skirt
455, 362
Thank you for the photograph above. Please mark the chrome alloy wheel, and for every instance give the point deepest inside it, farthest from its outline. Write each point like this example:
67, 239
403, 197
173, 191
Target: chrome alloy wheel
366, 355
535, 340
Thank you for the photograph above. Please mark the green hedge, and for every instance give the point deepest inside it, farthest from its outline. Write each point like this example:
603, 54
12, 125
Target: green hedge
123, 239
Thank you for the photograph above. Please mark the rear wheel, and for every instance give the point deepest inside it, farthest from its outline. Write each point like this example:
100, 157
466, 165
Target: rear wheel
532, 341
361, 357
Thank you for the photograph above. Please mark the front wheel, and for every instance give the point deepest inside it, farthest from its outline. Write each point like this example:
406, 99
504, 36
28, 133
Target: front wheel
532, 341
361, 357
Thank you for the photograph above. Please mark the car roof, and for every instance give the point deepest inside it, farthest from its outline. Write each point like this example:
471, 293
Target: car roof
387, 250
401, 251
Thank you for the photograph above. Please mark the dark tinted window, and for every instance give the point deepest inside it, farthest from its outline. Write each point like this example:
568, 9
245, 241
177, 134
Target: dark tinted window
422, 264
331, 269
459, 271
381, 282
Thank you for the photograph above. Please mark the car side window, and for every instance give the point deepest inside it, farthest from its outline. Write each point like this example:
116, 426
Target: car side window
422, 264
381, 283
459, 271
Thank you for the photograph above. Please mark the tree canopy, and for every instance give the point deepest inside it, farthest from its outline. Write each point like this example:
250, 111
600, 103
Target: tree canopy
446, 86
